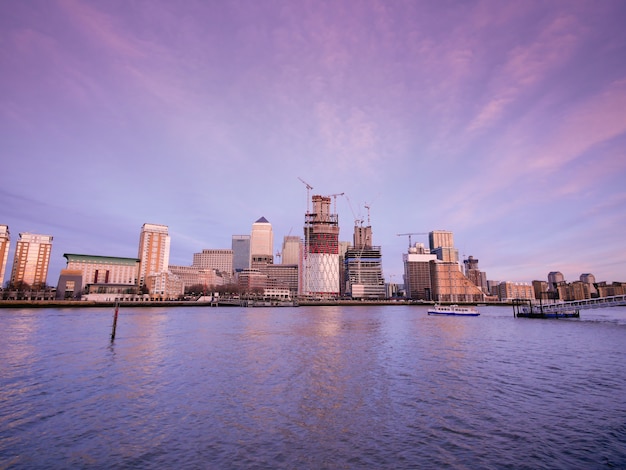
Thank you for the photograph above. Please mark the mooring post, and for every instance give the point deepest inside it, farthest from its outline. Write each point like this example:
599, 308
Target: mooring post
117, 307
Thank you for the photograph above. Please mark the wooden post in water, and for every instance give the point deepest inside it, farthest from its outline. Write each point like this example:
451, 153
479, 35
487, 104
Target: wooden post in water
117, 307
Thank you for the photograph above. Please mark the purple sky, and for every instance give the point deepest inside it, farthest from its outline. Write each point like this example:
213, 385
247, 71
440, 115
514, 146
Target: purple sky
503, 122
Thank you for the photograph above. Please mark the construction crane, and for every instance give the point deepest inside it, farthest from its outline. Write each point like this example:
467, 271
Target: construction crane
308, 195
356, 221
410, 234
335, 200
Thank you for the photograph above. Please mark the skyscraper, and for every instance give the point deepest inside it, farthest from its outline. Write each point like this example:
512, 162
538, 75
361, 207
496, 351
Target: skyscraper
32, 258
5, 242
363, 266
292, 247
442, 245
241, 252
262, 242
321, 257
417, 277
154, 251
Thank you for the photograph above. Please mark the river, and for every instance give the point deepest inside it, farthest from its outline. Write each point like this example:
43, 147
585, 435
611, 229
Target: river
311, 387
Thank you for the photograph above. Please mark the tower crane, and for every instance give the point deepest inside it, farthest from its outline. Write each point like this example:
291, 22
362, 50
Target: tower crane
335, 199
308, 195
410, 234
356, 221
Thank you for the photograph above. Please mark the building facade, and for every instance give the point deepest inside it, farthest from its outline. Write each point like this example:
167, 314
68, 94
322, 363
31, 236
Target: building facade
451, 285
291, 250
5, 243
31, 261
283, 276
474, 274
241, 252
164, 286
508, 291
417, 279
261, 242
197, 277
219, 259
555, 278
104, 269
154, 251
321, 256
363, 272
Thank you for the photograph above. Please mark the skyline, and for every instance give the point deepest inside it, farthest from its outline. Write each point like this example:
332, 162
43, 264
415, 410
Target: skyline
502, 123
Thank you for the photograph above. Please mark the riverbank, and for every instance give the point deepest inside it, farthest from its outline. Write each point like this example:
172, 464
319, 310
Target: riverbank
188, 303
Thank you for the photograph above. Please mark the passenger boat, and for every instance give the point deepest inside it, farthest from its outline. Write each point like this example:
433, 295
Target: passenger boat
453, 310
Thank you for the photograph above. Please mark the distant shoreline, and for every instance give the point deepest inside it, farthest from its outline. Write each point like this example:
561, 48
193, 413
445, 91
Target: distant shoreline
186, 303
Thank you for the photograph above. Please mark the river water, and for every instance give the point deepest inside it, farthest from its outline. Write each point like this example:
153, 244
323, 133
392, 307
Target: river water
311, 387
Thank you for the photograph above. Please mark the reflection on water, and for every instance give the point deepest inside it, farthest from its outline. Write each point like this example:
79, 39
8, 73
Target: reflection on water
326, 387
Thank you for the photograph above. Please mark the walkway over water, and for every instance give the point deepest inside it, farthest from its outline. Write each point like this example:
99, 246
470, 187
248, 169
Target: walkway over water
599, 302
576, 305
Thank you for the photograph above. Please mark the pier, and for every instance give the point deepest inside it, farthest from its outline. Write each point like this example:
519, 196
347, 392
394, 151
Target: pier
571, 309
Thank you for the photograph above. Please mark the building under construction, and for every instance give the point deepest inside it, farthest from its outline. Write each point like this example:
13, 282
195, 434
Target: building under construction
363, 267
321, 252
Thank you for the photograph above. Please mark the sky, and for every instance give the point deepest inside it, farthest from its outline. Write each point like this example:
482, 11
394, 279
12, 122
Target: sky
503, 122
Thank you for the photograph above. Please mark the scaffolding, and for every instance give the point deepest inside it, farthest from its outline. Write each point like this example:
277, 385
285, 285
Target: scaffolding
321, 257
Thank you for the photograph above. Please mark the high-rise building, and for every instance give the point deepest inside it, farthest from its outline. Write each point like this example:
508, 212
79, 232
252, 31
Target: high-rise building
442, 245
440, 239
261, 243
154, 251
417, 280
32, 258
5, 242
363, 272
292, 249
241, 252
321, 253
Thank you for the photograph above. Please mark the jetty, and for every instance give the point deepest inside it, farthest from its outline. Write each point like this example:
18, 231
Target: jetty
525, 308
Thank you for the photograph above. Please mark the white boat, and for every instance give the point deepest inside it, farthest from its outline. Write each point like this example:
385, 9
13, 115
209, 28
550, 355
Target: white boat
453, 310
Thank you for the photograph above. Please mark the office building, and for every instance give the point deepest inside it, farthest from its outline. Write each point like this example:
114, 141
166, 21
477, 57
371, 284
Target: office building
363, 274
321, 253
154, 251
31, 261
241, 252
291, 250
442, 245
5, 243
261, 243
282, 276
417, 280
219, 259
440, 238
